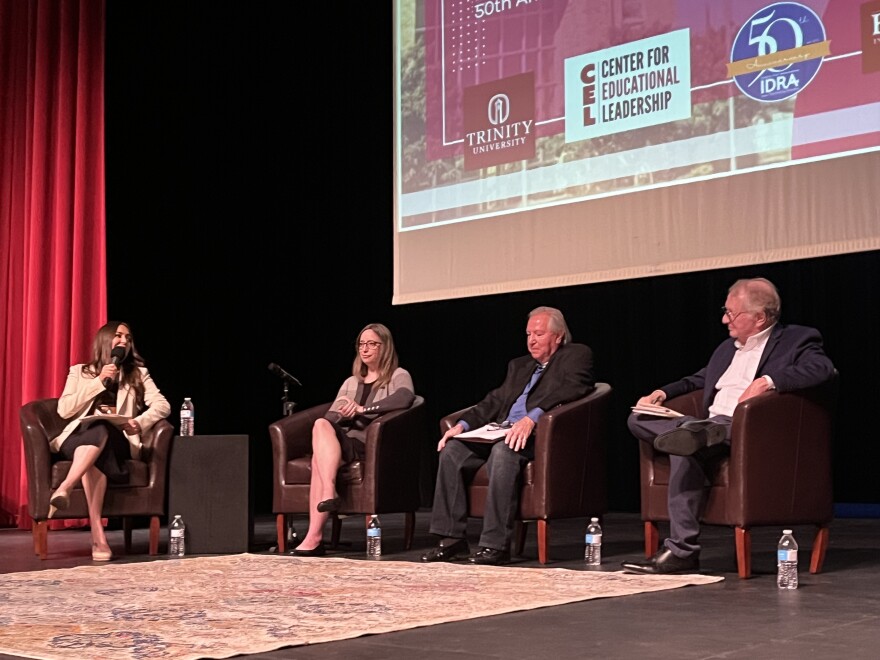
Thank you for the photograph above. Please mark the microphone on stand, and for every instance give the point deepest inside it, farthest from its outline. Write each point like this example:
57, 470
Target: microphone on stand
283, 375
117, 355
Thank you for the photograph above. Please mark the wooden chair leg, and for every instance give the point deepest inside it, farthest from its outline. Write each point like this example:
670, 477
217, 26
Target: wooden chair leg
409, 526
126, 534
652, 538
154, 535
743, 552
543, 540
41, 538
281, 532
820, 546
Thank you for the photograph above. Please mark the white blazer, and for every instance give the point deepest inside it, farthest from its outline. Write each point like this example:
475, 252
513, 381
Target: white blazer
80, 391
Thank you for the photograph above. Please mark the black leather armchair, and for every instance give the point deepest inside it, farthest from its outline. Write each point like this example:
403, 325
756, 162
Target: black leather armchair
778, 471
386, 481
567, 478
143, 495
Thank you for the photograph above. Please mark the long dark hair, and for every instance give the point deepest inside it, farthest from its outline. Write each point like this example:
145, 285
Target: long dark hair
129, 373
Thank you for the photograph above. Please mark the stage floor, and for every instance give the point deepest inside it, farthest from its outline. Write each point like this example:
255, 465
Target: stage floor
835, 614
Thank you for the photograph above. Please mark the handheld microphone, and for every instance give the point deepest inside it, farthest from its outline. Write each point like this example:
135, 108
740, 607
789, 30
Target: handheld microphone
117, 355
283, 375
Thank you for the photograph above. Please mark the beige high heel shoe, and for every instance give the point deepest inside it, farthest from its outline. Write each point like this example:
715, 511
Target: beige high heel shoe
58, 502
101, 555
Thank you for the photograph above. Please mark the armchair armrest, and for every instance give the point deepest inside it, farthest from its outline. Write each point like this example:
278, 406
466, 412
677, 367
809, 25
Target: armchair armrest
780, 453
157, 451
36, 427
449, 420
570, 452
392, 452
687, 404
291, 437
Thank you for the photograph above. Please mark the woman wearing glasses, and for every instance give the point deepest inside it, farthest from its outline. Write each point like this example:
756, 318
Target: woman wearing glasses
377, 385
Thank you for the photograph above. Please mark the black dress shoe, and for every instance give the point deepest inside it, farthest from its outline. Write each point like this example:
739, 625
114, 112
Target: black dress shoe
329, 506
691, 437
318, 551
489, 557
662, 563
447, 550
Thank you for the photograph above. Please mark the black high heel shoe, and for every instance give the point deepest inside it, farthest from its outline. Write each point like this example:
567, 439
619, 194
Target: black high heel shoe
318, 551
329, 506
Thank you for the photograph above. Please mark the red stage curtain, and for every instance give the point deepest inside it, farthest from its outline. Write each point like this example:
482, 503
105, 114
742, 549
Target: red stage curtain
52, 211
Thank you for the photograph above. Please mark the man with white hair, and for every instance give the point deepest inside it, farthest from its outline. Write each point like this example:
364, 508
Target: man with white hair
761, 354
555, 371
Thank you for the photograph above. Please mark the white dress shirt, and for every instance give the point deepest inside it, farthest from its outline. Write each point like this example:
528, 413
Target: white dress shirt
739, 374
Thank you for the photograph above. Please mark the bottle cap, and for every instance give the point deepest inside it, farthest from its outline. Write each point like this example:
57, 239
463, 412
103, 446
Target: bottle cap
786, 531
594, 520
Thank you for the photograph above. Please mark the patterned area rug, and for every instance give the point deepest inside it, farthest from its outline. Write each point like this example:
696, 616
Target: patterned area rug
217, 607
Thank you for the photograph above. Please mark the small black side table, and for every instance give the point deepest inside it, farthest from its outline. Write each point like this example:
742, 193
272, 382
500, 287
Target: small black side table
208, 485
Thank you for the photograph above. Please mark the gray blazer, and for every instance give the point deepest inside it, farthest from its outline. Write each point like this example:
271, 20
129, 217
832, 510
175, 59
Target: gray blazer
397, 394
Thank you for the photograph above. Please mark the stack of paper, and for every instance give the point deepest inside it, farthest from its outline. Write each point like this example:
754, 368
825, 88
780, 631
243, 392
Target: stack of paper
657, 411
487, 433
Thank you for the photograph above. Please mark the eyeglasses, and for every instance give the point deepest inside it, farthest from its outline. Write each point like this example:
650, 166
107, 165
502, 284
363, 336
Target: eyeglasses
726, 312
499, 426
368, 344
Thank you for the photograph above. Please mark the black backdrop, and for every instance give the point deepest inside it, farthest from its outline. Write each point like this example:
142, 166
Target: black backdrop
249, 206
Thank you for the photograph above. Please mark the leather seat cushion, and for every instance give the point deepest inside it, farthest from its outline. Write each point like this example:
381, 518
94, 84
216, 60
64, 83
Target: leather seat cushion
299, 471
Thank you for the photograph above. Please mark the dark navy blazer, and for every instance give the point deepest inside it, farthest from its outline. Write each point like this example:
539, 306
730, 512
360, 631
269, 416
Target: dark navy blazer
793, 358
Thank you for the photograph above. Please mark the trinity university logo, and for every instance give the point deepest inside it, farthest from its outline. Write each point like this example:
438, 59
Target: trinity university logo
499, 121
778, 51
870, 12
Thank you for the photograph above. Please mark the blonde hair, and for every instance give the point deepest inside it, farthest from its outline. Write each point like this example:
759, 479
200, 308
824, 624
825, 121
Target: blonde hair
387, 355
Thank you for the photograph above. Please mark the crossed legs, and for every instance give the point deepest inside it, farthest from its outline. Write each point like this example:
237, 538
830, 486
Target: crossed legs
326, 461
94, 484
687, 482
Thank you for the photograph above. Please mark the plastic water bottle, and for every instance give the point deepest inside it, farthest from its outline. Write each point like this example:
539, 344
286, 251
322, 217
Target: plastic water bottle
593, 543
187, 417
374, 538
787, 561
177, 538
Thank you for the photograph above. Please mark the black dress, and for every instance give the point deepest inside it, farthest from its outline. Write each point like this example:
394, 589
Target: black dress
352, 448
112, 460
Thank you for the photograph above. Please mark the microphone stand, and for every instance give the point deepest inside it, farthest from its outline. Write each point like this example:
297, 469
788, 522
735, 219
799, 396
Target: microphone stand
292, 540
287, 406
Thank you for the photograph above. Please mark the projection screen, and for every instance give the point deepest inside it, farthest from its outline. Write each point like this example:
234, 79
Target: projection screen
546, 143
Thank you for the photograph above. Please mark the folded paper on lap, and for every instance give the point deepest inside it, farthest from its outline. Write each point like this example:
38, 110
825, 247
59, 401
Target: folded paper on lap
656, 411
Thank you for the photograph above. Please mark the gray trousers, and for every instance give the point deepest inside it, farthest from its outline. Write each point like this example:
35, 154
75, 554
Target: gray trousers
459, 462
687, 481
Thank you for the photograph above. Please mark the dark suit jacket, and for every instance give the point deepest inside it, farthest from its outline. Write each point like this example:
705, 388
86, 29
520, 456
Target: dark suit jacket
793, 358
568, 376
